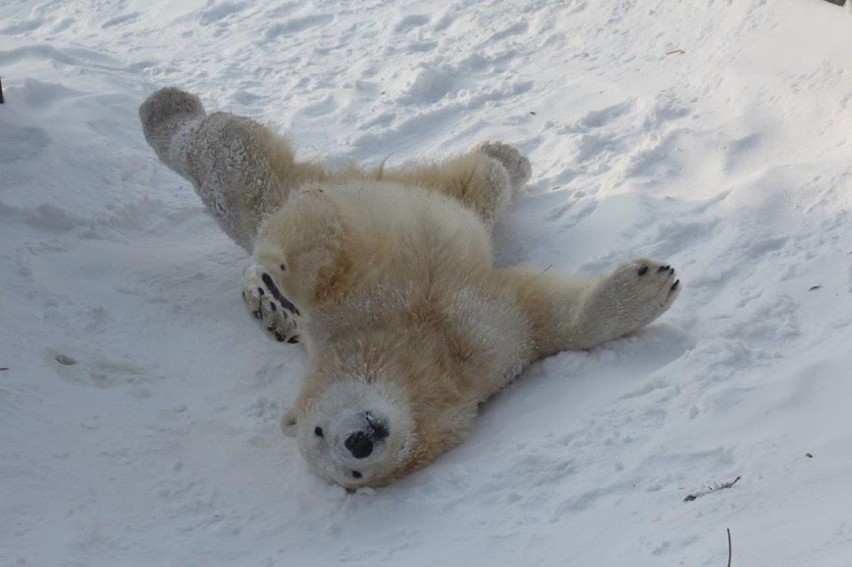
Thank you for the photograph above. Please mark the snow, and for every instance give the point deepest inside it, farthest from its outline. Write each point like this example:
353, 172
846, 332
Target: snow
139, 404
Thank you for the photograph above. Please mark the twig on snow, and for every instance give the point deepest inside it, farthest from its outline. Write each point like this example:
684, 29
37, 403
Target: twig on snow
676, 52
710, 489
729, 545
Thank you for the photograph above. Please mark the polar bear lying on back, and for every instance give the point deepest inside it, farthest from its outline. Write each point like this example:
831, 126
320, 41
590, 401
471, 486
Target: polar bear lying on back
386, 276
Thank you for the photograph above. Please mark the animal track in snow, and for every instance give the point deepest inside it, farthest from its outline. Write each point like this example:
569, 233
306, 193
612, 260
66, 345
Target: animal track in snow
119, 20
220, 12
410, 22
428, 85
296, 25
433, 119
514, 29
96, 370
604, 116
321, 108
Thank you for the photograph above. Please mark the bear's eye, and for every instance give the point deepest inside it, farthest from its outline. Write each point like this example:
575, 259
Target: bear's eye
356, 474
318, 432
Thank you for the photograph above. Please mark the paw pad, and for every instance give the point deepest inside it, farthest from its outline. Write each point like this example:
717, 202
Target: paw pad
269, 306
650, 288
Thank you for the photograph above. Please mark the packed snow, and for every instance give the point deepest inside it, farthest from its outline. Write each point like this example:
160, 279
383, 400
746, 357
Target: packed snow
139, 403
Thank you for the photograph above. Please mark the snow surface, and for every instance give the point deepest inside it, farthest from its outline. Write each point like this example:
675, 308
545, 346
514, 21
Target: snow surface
139, 405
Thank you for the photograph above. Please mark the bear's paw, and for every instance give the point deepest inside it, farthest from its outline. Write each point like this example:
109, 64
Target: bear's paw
645, 288
275, 312
517, 166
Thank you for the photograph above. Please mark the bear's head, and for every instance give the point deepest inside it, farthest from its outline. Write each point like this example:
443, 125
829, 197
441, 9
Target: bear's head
375, 403
353, 433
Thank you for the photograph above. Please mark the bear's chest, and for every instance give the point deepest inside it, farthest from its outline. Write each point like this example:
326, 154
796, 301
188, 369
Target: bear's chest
488, 337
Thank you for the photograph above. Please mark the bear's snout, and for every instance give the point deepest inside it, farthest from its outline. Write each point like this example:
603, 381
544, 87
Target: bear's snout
359, 444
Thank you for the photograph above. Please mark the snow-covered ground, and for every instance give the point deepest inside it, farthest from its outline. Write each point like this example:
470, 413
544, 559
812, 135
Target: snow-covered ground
139, 404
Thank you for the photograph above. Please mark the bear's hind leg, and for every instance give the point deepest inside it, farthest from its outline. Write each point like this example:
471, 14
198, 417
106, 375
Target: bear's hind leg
483, 179
517, 166
241, 170
571, 313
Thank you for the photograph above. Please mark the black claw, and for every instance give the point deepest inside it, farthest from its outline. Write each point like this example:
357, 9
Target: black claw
662, 269
279, 337
260, 291
276, 293
671, 270
272, 306
287, 304
283, 268
244, 295
674, 285
642, 271
293, 340
257, 314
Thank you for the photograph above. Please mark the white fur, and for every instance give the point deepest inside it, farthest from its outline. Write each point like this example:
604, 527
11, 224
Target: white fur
387, 278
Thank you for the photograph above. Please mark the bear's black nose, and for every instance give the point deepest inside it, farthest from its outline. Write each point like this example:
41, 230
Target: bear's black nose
359, 444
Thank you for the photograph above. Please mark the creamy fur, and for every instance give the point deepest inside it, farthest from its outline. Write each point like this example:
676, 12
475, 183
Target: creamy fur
387, 278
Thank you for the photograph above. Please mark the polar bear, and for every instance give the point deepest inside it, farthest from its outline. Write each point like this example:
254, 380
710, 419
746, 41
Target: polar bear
386, 277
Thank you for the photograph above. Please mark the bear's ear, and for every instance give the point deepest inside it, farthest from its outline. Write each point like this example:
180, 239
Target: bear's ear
288, 423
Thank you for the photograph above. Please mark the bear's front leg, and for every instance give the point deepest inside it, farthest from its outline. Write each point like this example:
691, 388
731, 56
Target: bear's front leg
302, 260
265, 302
570, 313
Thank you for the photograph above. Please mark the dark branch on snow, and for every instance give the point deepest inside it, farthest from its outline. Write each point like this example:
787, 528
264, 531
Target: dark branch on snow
710, 489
